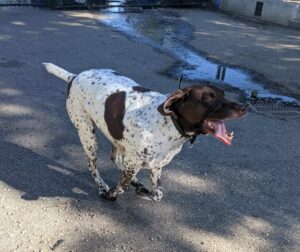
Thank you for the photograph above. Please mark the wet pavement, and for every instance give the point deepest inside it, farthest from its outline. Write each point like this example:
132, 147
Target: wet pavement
167, 32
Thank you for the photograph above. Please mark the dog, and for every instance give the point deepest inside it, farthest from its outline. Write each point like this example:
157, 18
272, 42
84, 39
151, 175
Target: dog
146, 128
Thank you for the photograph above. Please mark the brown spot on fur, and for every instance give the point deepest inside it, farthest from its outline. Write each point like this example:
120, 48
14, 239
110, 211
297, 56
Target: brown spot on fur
158, 182
145, 151
114, 114
141, 89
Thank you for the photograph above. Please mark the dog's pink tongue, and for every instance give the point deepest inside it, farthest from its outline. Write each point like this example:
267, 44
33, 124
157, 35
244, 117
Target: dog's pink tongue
220, 132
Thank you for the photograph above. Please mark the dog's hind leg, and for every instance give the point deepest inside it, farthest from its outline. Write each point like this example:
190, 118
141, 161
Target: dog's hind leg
89, 142
86, 131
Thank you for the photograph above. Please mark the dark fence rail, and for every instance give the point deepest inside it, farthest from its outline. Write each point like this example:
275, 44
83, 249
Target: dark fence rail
56, 4
22, 2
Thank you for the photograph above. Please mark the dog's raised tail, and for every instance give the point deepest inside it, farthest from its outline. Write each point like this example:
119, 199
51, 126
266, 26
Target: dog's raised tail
59, 72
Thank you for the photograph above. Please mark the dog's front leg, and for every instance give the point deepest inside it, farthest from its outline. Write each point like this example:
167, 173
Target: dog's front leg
127, 176
156, 194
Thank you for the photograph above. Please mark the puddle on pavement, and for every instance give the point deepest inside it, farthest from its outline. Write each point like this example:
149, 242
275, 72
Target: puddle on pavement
165, 31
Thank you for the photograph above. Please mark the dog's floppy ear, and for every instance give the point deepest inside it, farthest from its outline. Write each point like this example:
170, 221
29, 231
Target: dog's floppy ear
165, 108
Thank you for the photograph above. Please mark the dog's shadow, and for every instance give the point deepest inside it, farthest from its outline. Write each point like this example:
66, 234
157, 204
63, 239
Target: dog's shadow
38, 176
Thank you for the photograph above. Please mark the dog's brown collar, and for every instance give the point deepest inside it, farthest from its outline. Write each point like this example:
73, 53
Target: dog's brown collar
178, 127
197, 128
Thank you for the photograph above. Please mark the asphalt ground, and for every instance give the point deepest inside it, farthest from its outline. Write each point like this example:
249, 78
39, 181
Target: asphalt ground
216, 198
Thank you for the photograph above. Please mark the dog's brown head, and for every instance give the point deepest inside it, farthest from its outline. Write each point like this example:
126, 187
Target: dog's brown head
204, 109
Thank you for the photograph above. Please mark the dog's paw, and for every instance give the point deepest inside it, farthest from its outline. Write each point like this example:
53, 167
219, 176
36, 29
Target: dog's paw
157, 196
103, 191
109, 195
142, 191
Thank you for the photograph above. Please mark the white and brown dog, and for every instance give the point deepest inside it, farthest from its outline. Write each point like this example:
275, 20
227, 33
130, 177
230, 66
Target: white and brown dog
146, 128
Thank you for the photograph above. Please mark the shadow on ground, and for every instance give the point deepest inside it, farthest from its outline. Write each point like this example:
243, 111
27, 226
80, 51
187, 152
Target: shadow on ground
245, 197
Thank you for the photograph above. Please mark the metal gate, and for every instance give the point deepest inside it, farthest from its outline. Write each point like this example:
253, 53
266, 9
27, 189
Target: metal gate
56, 4
22, 3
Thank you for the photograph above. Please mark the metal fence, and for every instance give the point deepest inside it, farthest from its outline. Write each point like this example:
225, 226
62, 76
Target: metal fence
56, 4
22, 2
